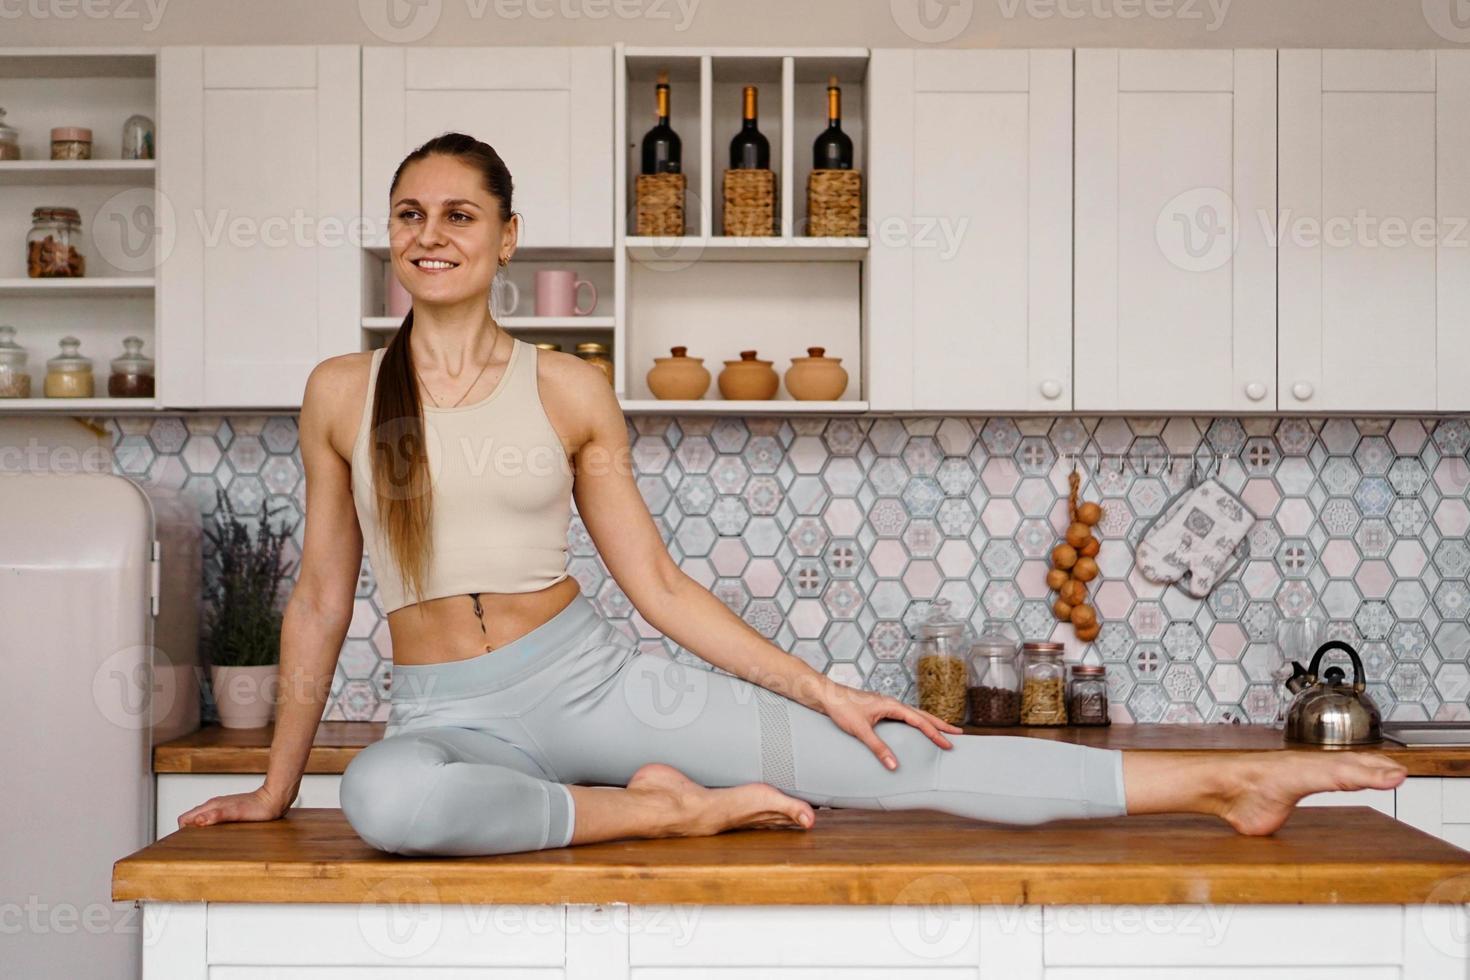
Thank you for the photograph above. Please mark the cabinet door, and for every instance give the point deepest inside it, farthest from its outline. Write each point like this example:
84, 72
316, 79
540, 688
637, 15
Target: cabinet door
1375, 187
548, 112
178, 793
259, 166
1176, 275
970, 261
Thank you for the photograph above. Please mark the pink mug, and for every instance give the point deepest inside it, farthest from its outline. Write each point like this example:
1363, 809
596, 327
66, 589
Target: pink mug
556, 293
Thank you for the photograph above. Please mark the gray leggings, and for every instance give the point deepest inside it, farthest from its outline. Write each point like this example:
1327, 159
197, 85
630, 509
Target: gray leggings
477, 752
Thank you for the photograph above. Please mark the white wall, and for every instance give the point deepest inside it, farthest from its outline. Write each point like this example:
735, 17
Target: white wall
873, 23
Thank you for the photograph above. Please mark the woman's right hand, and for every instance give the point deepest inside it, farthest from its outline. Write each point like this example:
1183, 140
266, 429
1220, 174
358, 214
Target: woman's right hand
258, 804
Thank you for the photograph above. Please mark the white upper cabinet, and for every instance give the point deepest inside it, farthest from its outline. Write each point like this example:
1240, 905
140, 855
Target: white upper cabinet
970, 264
548, 112
1176, 272
1375, 254
263, 280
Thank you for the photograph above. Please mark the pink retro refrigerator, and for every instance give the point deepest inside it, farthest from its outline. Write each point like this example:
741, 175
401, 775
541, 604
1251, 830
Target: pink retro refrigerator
99, 617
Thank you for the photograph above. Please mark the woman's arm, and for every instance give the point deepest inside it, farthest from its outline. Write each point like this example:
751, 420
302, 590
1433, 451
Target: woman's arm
626, 536
317, 613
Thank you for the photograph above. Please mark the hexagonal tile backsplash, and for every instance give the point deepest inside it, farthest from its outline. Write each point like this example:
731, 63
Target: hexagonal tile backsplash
832, 536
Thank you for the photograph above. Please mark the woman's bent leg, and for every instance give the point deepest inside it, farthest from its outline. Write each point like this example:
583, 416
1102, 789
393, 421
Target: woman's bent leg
453, 791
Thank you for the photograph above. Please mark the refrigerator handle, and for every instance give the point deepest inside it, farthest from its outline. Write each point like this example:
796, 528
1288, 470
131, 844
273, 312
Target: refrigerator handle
155, 584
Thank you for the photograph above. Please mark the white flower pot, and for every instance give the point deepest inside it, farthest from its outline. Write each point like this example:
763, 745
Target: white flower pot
245, 696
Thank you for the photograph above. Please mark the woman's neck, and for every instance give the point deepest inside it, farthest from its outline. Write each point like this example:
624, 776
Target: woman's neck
450, 338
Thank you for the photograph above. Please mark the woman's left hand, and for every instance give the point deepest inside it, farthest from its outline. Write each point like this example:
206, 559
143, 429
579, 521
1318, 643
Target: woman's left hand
856, 711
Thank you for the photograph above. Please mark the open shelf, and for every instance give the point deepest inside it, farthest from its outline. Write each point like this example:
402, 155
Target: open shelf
720, 406
517, 324
83, 287
70, 173
755, 249
74, 405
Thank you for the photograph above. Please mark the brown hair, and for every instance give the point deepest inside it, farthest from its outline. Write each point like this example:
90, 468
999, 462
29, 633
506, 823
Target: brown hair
400, 466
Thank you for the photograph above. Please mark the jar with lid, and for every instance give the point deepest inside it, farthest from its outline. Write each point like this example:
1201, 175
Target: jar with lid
1043, 684
15, 382
69, 374
54, 244
1087, 695
939, 664
596, 353
548, 345
995, 684
71, 143
137, 138
132, 374
9, 140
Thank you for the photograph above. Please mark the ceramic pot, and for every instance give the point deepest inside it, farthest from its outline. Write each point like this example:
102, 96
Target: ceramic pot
678, 376
245, 696
815, 377
749, 378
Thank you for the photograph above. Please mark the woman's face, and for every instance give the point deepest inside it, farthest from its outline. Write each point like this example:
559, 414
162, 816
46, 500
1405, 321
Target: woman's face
445, 232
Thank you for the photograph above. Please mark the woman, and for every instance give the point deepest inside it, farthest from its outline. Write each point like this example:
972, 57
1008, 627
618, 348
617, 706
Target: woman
521, 719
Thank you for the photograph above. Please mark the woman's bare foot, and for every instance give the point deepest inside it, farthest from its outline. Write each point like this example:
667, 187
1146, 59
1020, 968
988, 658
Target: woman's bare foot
1254, 792
701, 811
1260, 794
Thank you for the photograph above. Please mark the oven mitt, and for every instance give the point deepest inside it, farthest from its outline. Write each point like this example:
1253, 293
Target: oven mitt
1195, 538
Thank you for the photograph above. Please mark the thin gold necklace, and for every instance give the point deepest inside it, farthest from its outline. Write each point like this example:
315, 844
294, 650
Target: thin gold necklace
471, 388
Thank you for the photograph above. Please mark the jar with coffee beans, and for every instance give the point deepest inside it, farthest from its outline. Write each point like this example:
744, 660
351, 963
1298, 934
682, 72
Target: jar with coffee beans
995, 684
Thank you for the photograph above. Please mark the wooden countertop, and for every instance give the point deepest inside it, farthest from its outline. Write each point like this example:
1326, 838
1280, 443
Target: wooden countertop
1326, 855
246, 750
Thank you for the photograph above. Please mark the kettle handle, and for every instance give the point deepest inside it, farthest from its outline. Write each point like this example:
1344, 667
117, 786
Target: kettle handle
1358, 684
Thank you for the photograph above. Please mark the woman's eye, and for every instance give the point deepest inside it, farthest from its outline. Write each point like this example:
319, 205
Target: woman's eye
407, 214
461, 214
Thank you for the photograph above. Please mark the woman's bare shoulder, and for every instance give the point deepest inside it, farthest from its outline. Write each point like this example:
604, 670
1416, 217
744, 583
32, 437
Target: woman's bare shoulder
335, 392
575, 394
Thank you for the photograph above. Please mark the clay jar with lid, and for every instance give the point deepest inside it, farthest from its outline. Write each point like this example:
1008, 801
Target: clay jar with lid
816, 377
749, 378
678, 376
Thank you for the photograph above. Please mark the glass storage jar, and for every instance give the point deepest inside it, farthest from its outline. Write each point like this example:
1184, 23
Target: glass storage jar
9, 140
15, 382
1087, 695
137, 138
54, 244
596, 353
1043, 684
995, 684
939, 664
71, 143
69, 374
132, 374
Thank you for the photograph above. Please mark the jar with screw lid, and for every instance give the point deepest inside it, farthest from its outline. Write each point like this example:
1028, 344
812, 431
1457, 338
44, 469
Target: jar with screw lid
1087, 696
1043, 684
71, 143
995, 683
596, 353
939, 664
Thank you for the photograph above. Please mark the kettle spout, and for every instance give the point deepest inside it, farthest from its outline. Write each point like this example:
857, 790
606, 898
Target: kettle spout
1298, 678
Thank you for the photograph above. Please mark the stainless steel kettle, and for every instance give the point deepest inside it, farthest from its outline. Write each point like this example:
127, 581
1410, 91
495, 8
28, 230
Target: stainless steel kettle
1330, 711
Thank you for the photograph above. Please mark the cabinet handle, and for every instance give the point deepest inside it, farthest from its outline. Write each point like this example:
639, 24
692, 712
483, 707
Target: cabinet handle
1051, 389
1302, 391
1255, 391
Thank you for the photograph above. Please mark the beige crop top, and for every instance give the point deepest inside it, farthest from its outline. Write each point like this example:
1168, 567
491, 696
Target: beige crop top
502, 489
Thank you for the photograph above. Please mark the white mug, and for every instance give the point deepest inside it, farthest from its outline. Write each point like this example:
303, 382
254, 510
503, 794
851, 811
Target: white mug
500, 303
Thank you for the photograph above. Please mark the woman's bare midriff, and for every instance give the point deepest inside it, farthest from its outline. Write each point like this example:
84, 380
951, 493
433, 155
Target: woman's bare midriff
446, 629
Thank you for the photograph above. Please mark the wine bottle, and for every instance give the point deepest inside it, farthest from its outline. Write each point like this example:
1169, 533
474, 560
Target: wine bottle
832, 149
749, 149
662, 148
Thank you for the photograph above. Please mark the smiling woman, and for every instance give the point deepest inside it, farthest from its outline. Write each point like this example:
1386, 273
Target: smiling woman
521, 719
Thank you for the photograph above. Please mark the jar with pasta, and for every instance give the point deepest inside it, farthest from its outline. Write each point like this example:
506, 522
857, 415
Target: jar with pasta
1043, 684
939, 664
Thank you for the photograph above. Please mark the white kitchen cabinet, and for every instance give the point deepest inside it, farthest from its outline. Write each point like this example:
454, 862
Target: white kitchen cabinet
177, 793
260, 183
970, 261
1374, 253
1438, 806
1175, 274
548, 112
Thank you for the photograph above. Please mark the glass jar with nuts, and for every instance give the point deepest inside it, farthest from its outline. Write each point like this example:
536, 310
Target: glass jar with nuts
1043, 684
940, 664
995, 684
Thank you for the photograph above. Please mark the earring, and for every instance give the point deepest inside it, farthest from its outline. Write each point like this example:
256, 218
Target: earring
504, 260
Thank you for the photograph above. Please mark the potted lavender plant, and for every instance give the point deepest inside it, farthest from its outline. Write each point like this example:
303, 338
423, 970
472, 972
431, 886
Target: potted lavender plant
243, 621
